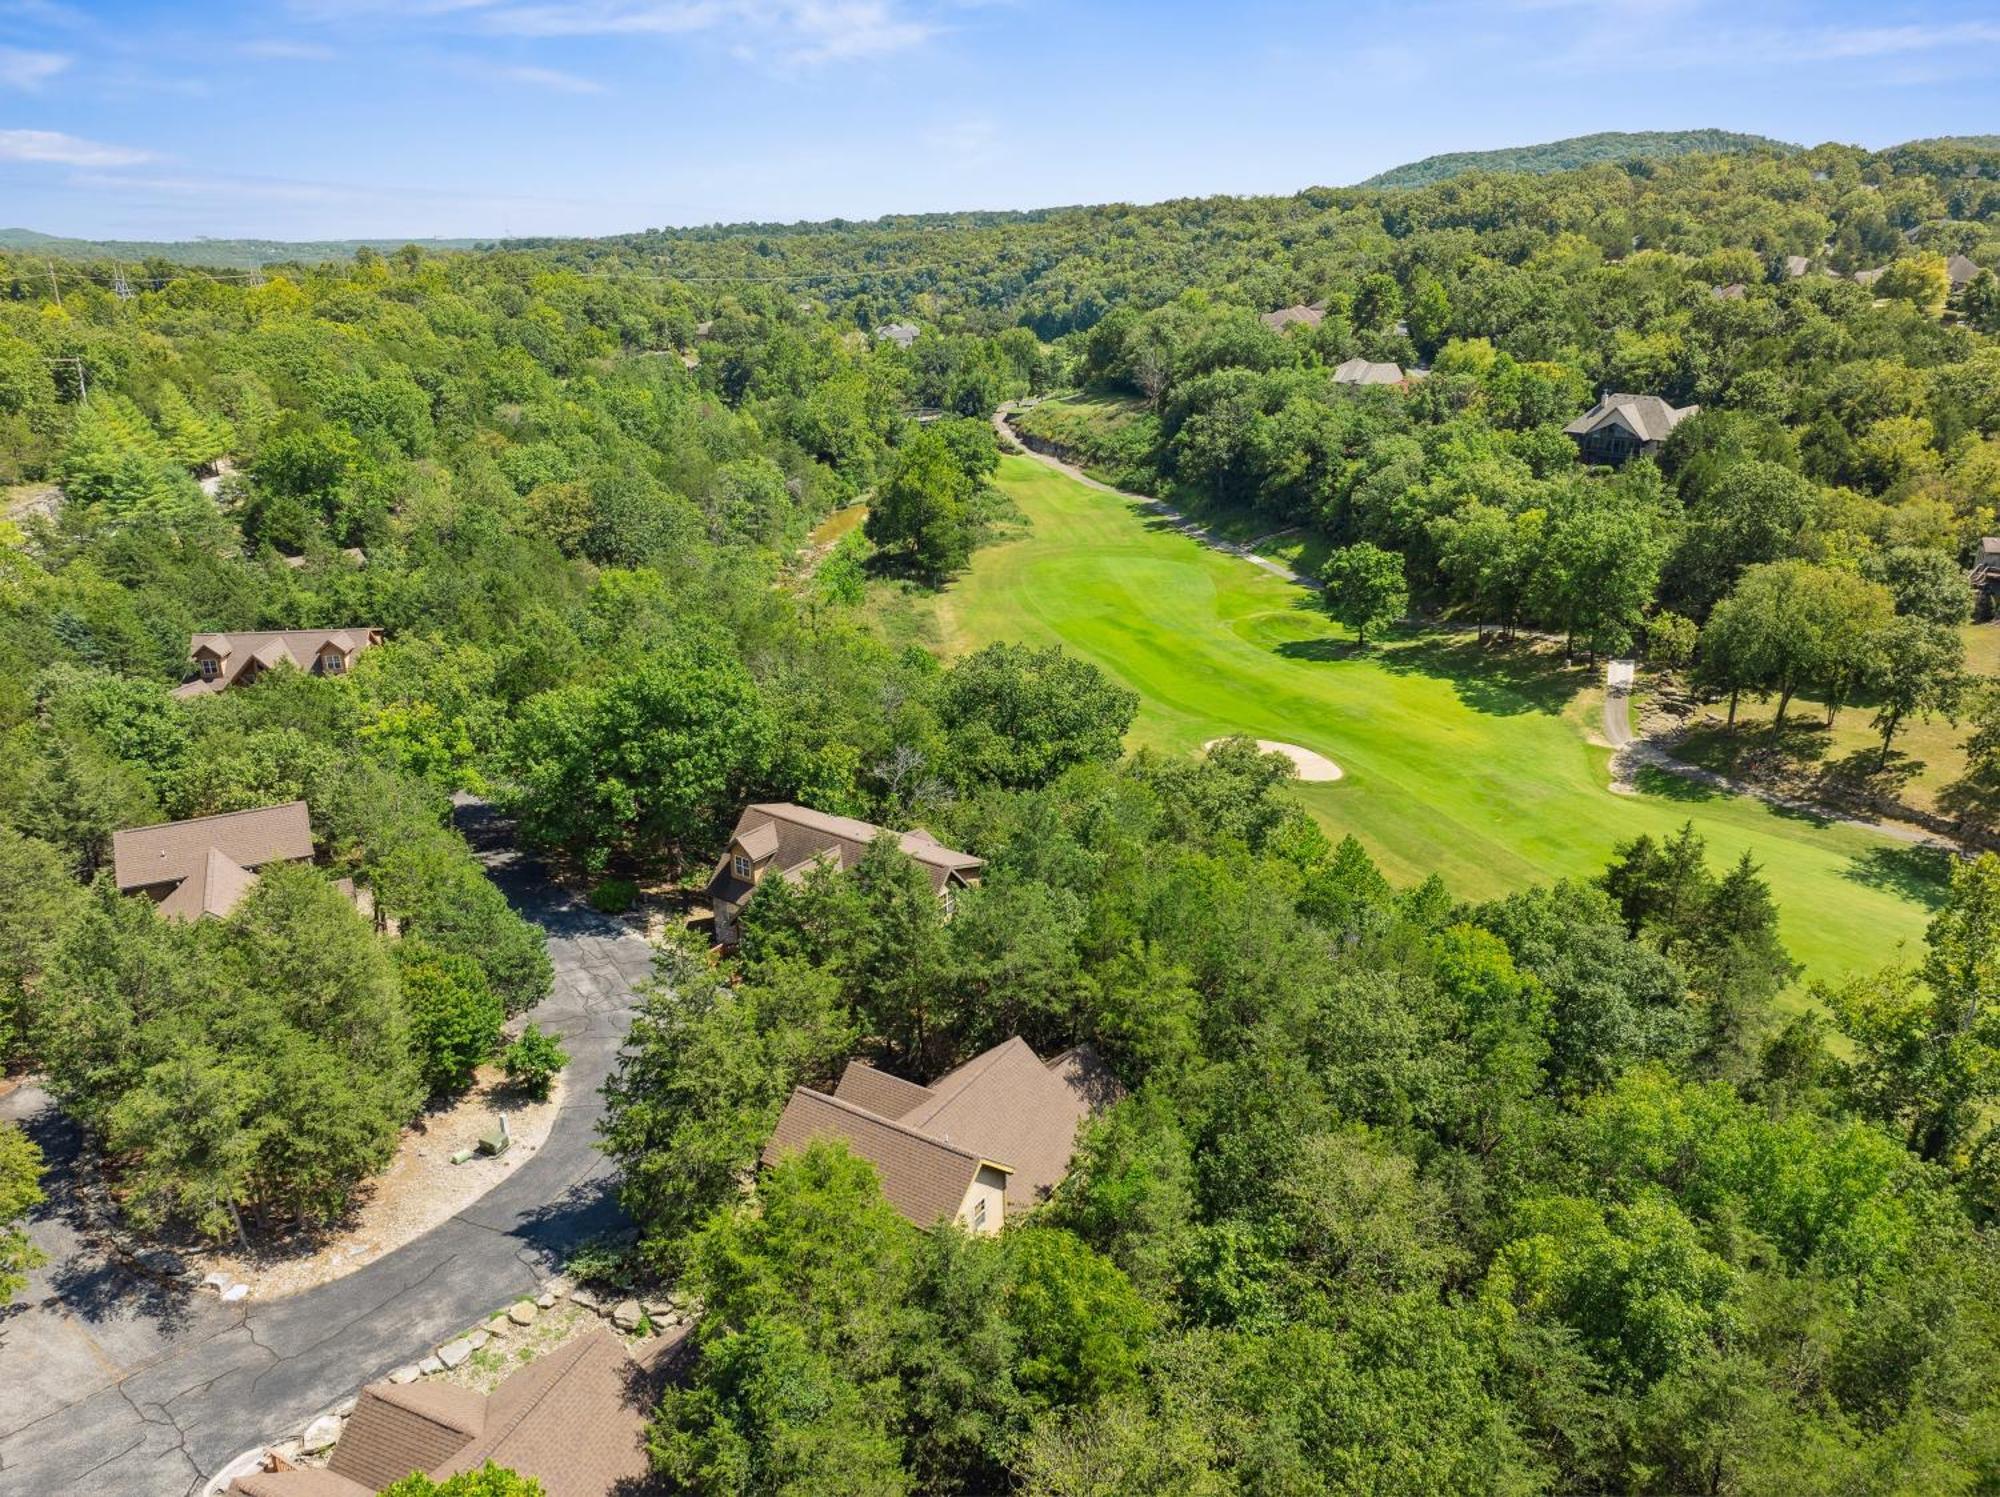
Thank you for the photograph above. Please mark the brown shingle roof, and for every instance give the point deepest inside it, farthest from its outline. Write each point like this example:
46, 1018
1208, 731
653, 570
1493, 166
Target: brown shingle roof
212, 889
1961, 269
924, 1178
269, 648
575, 1420
797, 836
400, 1428
303, 1482
882, 1094
146, 856
1005, 1107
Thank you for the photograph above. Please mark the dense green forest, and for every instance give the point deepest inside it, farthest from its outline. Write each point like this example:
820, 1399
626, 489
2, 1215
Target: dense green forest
1578, 150
1546, 1193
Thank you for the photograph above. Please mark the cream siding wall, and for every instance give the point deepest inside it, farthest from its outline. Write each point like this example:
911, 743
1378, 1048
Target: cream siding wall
988, 1188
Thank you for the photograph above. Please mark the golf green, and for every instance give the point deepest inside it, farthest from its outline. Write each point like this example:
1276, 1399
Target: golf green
1473, 763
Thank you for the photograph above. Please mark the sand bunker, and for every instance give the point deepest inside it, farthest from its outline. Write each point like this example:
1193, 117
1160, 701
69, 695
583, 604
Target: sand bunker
1311, 766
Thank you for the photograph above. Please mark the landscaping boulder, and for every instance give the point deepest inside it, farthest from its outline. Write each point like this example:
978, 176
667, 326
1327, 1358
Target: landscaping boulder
545, 1301
497, 1326
407, 1373
429, 1365
479, 1340
454, 1353
320, 1434
626, 1315
586, 1296
522, 1312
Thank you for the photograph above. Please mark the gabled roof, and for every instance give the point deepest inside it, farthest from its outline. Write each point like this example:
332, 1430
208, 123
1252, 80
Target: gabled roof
145, 856
1871, 276
879, 1092
212, 889
1004, 1107
1311, 316
1647, 417
1961, 269
924, 1178
799, 836
1796, 266
1364, 372
1734, 291
574, 1420
400, 1428
269, 648
902, 334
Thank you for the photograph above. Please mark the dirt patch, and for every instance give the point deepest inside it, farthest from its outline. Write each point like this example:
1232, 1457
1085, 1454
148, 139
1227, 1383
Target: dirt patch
420, 1188
1314, 768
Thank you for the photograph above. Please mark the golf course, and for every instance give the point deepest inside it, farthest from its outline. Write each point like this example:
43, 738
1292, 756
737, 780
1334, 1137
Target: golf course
1479, 764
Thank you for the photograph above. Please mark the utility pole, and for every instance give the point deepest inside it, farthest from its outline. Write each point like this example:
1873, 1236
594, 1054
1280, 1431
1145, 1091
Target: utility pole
54, 289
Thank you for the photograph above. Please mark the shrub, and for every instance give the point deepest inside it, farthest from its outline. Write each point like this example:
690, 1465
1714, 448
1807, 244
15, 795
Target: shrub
614, 895
532, 1061
455, 1015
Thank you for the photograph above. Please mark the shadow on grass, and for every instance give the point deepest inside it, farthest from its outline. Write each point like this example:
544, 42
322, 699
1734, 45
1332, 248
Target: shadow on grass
1650, 779
1919, 874
1498, 679
1326, 647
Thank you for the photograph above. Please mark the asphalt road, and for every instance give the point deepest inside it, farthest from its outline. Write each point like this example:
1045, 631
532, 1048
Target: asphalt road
113, 1385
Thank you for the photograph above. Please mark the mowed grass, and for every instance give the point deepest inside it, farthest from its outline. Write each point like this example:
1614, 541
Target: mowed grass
1475, 764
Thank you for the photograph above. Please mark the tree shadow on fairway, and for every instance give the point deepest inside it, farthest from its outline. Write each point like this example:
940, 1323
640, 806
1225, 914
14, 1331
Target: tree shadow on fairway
1919, 874
1326, 647
1650, 779
1499, 680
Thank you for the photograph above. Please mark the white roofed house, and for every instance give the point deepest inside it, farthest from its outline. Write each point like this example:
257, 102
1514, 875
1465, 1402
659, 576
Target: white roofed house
778, 839
223, 660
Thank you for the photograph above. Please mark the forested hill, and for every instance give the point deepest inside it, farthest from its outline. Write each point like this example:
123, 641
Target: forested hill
226, 254
1578, 150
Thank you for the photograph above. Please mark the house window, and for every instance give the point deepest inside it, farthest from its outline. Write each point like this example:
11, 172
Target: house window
330, 663
740, 866
210, 667
950, 898
979, 1215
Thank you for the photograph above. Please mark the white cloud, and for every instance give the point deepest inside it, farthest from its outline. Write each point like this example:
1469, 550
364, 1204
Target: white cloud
54, 147
21, 68
553, 79
1888, 41
284, 49
787, 32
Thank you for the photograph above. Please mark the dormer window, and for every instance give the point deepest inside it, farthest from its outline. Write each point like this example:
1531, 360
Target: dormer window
741, 866
210, 667
950, 898
330, 662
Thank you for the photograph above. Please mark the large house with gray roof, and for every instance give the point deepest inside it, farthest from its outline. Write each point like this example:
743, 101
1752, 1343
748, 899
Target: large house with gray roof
993, 1136
236, 659
778, 839
204, 867
1621, 427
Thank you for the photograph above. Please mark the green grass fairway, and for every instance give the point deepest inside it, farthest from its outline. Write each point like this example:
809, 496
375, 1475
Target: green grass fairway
1475, 765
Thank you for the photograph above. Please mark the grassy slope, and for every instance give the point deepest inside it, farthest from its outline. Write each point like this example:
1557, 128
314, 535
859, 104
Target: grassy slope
1478, 768
1929, 755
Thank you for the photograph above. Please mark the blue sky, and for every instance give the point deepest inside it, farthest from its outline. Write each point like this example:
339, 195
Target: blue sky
361, 118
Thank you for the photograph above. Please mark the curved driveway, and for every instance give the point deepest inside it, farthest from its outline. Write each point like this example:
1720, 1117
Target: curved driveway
113, 1385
